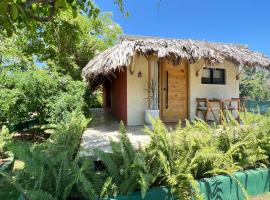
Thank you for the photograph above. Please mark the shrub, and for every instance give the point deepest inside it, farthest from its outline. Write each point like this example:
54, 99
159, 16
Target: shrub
69, 99
52, 169
94, 98
25, 93
39, 94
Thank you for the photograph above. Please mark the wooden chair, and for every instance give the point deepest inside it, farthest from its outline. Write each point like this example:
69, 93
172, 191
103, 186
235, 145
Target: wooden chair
231, 105
206, 106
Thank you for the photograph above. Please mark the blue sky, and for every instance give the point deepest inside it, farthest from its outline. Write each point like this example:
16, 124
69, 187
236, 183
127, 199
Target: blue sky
232, 21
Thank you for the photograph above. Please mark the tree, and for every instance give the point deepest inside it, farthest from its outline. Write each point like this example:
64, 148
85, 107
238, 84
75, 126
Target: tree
255, 84
64, 45
20, 13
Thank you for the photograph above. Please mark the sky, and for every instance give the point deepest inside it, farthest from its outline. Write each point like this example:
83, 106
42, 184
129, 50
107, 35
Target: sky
232, 21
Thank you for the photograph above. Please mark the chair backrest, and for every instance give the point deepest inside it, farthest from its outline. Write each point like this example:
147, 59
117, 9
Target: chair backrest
238, 101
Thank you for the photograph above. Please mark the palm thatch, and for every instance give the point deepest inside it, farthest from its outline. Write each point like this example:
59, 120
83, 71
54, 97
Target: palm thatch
121, 54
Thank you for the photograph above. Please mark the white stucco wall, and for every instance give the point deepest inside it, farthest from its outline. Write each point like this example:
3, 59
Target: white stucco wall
137, 92
199, 90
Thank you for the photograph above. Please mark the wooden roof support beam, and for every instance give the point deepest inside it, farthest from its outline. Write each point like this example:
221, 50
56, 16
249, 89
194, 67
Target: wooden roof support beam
200, 69
238, 73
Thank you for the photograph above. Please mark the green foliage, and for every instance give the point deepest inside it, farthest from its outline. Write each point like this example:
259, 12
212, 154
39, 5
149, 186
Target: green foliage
38, 94
94, 99
67, 44
175, 159
178, 158
199, 151
52, 169
20, 13
255, 84
126, 167
24, 93
35, 66
5, 137
69, 99
64, 45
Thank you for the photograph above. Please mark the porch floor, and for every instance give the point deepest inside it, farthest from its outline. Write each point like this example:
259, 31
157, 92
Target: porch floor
104, 129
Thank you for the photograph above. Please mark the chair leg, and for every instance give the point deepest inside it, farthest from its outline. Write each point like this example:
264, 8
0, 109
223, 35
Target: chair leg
220, 117
206, 116
238, 117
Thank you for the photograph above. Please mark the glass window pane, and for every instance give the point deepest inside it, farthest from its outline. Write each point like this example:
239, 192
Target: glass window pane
206, 76
217, 73
218, 76
206, 73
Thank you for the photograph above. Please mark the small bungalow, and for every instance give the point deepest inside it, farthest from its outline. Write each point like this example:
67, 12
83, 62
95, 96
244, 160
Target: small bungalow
170, 78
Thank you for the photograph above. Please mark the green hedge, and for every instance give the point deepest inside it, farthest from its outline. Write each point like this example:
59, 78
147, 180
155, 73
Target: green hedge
255, 182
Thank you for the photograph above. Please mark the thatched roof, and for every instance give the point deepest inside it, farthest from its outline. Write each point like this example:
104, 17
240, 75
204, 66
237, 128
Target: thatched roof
121, 54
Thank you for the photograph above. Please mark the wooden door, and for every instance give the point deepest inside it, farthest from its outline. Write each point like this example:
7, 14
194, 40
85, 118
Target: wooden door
174, 91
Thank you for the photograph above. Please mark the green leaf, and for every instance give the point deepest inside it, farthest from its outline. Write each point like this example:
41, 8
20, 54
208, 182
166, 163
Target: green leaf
14, 11
74, 12
3, 6
60, 4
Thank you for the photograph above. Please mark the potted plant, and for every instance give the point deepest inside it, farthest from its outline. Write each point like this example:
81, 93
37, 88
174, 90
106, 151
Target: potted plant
153, 111
6, 157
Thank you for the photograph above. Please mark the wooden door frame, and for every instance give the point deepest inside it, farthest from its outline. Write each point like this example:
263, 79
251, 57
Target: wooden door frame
161, 91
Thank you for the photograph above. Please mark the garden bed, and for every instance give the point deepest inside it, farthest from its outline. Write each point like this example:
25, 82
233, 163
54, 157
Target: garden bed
254, 182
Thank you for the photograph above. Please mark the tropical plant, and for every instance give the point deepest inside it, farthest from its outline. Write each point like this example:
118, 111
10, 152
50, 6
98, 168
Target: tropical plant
198, 151
53, 169
126, 167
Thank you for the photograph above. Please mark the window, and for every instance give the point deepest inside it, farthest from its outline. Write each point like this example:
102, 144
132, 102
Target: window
213, 76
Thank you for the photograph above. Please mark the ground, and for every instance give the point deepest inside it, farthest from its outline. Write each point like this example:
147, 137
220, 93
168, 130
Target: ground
103, 129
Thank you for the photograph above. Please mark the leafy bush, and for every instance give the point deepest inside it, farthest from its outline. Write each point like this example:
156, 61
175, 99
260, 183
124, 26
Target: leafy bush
38, 94
69, 99
94, 99
24, 93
